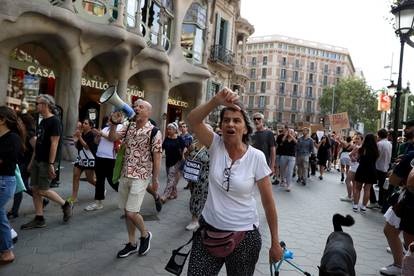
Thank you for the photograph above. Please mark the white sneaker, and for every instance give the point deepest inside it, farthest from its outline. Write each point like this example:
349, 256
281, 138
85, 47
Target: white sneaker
391, 270
94, 207
193, 226
345, 198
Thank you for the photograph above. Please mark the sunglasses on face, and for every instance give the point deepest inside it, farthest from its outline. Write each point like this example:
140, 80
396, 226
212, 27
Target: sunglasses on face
257, 119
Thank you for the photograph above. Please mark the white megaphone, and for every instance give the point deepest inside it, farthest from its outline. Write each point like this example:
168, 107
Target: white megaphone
110, 96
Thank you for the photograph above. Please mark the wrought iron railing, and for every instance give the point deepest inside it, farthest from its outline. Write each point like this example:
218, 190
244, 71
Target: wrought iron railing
220, 53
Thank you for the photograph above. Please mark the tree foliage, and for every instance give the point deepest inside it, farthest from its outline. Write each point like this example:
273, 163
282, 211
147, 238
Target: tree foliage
352, 95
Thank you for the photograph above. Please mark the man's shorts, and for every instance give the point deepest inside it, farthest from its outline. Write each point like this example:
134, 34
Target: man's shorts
39, 175
131, 193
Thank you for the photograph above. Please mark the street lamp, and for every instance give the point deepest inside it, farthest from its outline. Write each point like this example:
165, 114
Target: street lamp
404, 22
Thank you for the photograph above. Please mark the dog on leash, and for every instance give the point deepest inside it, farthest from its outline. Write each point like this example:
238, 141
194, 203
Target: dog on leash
339, 256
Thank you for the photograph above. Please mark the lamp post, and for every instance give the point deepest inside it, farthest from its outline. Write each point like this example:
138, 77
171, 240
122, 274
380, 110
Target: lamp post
404, 21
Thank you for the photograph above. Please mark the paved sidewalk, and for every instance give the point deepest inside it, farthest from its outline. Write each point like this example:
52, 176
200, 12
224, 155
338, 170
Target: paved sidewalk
89, 243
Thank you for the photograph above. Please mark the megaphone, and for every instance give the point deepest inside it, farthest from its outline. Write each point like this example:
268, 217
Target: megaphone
110, 96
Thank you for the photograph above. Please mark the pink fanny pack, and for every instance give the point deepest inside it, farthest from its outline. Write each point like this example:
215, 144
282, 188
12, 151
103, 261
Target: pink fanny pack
221, 243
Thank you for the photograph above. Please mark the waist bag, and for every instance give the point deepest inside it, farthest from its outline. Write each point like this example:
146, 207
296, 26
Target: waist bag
221, 243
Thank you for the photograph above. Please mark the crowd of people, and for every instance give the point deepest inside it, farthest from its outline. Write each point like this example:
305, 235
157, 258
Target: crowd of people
221, 168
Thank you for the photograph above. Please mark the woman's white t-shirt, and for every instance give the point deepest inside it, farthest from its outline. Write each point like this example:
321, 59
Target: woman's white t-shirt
233, 210
106, 147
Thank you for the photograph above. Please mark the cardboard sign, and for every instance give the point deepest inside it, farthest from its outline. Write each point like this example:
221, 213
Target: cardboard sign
192, 170
339, 121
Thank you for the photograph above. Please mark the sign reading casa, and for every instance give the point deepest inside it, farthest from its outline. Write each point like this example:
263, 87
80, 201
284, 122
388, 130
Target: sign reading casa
41, 72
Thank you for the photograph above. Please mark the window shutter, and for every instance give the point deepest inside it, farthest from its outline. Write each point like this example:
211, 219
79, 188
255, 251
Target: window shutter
217, 36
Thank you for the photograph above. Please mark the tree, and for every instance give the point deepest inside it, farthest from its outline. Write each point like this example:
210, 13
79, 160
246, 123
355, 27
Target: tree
352, 95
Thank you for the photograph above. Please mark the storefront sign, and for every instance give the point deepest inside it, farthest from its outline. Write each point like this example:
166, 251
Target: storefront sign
135, 92
41, 72
177, 103
94, 84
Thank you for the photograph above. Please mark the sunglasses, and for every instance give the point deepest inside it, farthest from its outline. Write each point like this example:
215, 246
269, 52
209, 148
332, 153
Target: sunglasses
257, 119
226, 183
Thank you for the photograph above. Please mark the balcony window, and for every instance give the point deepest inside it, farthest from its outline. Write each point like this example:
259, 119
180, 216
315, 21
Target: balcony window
338, 70
295, 90
263, 87
262, 101
292, 118
308, 106
282, 74
279, 117
282, 88
152, 13
325, 80
309, 92
192, 36
254, 61
310, 78
326, 69
294, 104
264, 73
295, 76
281, 103
253, 74
284, 61
264, 60
297, 63
312, 66
251, 101
252, 87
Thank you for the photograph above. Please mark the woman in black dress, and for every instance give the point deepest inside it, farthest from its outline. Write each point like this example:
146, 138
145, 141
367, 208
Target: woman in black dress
366, 174
323, 154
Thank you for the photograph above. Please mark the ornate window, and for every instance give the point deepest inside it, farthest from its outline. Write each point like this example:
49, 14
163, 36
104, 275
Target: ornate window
192, 36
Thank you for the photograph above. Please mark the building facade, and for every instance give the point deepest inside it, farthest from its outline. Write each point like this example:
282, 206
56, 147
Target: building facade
287, 77
75, 49
228, 32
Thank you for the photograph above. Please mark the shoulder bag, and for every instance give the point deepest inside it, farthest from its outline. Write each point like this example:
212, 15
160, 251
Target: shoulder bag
177, 261
119, 161
19, 181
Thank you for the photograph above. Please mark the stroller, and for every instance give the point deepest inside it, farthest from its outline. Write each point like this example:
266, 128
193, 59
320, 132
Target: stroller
287, 257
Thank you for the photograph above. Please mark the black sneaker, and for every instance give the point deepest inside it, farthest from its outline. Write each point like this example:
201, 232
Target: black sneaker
158, 204
128, 250
342, 178
145, 244
35, 223
276, 182
67, 209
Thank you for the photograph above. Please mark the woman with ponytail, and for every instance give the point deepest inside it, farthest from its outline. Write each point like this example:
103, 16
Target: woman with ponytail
12, 136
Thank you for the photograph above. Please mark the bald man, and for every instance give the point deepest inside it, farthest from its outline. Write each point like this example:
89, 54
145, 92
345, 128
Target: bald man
141, 166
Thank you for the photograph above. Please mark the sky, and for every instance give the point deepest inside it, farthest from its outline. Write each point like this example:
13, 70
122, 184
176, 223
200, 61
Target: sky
361, 26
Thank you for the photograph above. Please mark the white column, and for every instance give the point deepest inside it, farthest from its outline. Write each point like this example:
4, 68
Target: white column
121, 10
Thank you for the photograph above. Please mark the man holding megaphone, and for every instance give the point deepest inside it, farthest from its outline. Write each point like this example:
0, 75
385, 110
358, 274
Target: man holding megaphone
141, 166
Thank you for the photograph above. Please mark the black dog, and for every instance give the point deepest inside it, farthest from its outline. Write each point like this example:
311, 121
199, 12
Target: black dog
339, 256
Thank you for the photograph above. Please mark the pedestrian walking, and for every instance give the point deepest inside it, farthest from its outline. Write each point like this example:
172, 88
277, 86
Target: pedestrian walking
141, 166
174, 147
104, 164
199, 189
42, 166
323, 154
12, 140
287, 145
382, 166
354, 157
366, 174
235, 169
345, 161
85, 162
304, 149
263, 139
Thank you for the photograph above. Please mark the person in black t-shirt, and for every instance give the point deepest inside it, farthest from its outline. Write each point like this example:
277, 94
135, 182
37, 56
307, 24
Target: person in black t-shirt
86, 157
174, 146
264, 140
11, 144
42, 166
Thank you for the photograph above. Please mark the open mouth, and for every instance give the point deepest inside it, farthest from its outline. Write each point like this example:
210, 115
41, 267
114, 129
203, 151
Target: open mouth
231, 132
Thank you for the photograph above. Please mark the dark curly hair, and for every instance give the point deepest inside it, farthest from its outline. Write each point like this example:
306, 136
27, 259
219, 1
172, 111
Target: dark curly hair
14, 123
246, 118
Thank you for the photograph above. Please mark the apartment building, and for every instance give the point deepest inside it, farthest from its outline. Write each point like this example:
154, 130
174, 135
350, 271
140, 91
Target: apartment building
287, 77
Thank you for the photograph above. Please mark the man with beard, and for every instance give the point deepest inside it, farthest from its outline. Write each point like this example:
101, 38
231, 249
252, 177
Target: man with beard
408, 145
